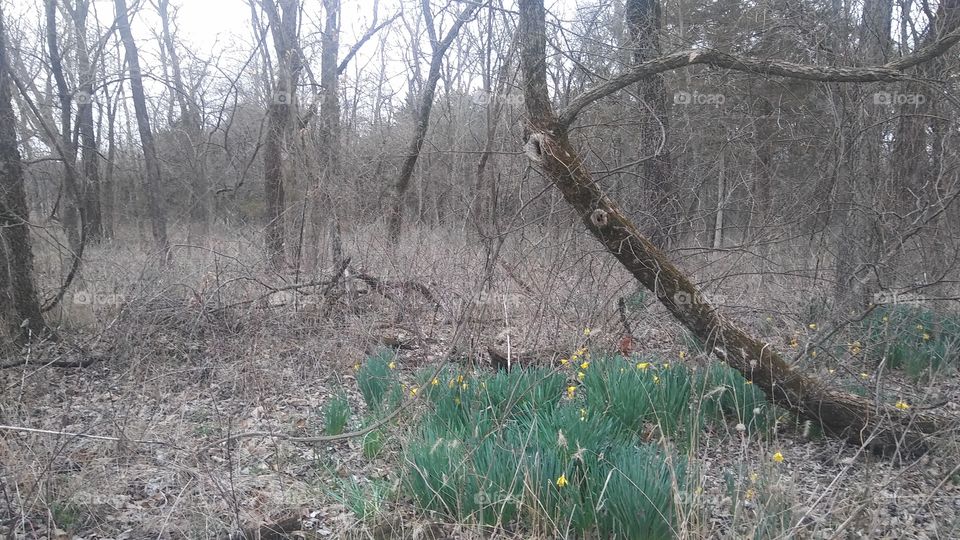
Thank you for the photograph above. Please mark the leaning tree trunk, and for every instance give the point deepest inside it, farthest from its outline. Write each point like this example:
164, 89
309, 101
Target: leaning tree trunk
18, 295
395, 210
153, 192
859, 420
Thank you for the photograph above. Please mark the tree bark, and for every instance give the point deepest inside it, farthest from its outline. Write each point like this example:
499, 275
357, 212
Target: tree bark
656, 172
89, 156
151, 162
20, 311
283, 26
422, 118
329, 120
73, 212
859, 420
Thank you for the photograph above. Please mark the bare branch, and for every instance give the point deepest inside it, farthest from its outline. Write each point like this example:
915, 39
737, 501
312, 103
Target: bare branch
891, 72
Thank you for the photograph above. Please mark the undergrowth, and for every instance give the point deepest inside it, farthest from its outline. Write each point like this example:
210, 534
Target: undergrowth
595, 447
921, 342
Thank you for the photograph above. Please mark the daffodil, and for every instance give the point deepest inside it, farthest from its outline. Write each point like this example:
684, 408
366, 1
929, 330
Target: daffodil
778, 458
920, 328
356, 367
793, 343
392, 365
585, 365
581, 375
885, 318
583, 414
571, 390
749, 382
656, 380
564, 361
464, 386
413, 391
749, 494
666, 365
864, 375
586, 331
926, 336
831, 371
683, 354
562, 481
643, 365
813, 354
435, 381
812, 326
902, 405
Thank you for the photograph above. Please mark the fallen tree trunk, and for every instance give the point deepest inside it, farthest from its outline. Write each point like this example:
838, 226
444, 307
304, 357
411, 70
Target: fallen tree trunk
878, 426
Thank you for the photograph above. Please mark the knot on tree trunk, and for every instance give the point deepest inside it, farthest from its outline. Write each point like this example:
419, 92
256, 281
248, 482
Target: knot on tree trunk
533, 148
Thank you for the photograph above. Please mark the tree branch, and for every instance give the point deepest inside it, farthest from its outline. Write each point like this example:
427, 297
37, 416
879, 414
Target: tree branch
891, 72
366, 37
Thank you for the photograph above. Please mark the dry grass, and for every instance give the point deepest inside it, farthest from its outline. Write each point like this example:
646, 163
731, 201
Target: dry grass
200, 350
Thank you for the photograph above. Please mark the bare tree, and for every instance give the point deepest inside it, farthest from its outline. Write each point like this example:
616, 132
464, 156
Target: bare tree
422, 114
89, 154
644, 20
283, 27
73, 212
20, 311
153, 189
202, 201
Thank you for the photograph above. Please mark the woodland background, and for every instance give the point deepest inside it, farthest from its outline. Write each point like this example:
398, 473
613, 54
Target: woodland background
220, 236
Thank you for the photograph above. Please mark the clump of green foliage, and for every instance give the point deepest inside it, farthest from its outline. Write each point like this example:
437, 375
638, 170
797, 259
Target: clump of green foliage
377, 381
913, 338
728, 396
336, 414
589, 449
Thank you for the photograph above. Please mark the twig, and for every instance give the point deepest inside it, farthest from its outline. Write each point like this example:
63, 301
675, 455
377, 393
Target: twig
82, 435
82, 363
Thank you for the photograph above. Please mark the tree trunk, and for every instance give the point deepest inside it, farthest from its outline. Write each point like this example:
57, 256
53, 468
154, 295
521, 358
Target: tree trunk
108, 191
89, 157
73, 214
329, 120
152, 163
422, 118
912, 150
644, 23
20, 311
283, 25
859, 420
858, 238
721, 202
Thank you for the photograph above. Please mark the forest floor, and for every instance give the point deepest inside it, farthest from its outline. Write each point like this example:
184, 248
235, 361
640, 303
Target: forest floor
209, 348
